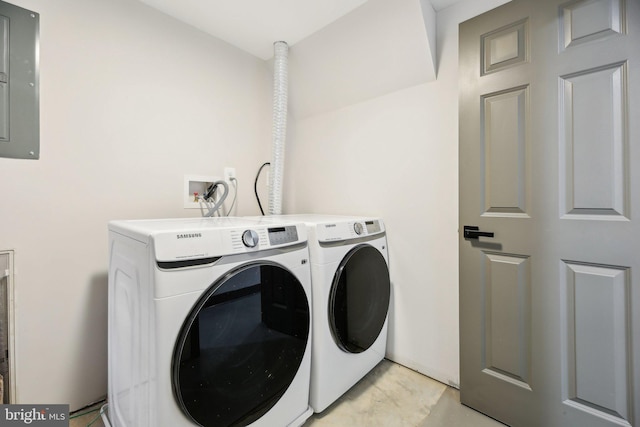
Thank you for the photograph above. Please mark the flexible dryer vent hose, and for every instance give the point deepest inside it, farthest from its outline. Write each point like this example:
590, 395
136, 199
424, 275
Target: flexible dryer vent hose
281, 50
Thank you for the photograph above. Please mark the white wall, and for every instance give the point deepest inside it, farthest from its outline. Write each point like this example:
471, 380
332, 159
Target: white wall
131, 100
396, 156
380, 47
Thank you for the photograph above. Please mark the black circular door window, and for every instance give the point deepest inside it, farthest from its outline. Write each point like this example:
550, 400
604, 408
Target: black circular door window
241, 346
359, 299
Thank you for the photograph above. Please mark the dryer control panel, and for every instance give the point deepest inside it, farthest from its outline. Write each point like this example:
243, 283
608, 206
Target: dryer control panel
347, 230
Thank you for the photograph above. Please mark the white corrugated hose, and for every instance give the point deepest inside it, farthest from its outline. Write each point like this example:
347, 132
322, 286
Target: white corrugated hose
281, 50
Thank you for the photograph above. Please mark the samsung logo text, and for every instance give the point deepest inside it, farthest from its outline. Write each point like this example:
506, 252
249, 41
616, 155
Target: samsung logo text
189, 236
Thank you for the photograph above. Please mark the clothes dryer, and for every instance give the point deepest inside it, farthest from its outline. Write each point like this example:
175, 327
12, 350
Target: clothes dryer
351, 291
209, 323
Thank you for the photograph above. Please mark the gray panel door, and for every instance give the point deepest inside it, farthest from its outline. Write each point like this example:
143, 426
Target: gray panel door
550, 163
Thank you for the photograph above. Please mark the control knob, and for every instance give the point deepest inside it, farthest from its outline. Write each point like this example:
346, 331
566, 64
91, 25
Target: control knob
250, 238
357, 227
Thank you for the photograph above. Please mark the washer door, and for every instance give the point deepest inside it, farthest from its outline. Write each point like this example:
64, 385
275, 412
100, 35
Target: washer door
359, 299
241, 346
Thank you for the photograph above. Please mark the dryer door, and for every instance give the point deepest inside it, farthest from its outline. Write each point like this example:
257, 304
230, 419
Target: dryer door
359, 299
241, 346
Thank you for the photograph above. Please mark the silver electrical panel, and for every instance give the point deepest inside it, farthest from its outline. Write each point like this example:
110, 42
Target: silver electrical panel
19, 86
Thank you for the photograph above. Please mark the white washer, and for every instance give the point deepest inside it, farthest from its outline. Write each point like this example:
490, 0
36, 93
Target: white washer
351, 292
209, 323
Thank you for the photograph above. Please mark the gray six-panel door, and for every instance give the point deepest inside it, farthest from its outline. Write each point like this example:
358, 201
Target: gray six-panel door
550, 163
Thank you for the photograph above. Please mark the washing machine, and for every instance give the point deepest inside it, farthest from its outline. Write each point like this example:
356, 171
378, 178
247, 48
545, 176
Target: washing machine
351, 291
209, 323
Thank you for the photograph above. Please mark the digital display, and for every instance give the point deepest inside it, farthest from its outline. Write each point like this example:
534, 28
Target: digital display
282, 235
373, 226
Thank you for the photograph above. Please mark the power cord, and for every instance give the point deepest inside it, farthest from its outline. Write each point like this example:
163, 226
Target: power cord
255, 185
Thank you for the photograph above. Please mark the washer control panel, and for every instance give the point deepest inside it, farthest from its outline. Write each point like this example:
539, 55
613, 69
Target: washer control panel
282, 235
258, 238
187, 239
372, 226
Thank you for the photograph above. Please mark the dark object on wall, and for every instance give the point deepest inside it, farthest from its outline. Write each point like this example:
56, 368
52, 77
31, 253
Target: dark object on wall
19, 86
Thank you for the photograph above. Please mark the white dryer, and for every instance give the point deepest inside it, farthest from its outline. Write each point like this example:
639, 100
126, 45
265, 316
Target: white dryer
351, 291
209, 323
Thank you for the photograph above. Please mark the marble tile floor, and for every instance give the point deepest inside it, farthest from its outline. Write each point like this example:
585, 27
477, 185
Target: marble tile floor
394, 396
389, 396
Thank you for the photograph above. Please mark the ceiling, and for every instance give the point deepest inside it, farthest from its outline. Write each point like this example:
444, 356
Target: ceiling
253, 25
438, 5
